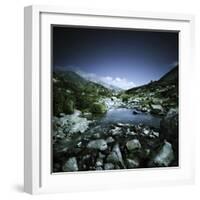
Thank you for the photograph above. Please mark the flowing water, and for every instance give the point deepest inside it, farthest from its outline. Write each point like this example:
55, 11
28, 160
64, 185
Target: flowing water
125, 115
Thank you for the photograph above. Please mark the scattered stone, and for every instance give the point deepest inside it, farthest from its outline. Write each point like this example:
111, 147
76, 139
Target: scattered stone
110, 140
116, 131
156, 109
96, 135
146, 131
108, 166
156, 134
133, 144
130, 132
79, 144
99, 144
71, 165
99, 162
132, 163
99, 168
87, 114
123, 125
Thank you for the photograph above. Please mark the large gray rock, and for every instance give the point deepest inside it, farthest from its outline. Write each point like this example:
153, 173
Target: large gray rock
133, 144
169, 126
115, 156
169, 129
71, 165
99, 144
164, 157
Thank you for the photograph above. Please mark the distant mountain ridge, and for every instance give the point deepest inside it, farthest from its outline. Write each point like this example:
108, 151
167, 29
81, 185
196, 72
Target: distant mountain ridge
75, 79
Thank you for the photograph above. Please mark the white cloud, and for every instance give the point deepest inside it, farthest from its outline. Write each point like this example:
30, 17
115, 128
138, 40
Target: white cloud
122, 83
118, 82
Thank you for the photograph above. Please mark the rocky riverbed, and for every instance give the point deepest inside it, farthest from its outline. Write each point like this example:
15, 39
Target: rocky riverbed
80, 144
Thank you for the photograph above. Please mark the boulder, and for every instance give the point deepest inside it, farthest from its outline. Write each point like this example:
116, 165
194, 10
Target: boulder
99, 144
115, 156
133, 144
70, 165
169, 129
164, 157
169, 126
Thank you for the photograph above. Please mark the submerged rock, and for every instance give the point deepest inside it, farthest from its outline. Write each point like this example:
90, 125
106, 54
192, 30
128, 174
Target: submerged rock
71, 165
135, 112
164, 157
133, 144
99, 144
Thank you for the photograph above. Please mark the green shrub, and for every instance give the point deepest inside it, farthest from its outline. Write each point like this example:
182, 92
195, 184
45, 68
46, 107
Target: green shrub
98, 108
125, 97
62, 102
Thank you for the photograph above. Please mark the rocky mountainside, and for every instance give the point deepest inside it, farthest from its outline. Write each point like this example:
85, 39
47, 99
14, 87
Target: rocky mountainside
71, 91
156, 97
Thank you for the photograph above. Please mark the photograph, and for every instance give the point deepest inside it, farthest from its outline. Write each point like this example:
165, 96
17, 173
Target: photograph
114, 98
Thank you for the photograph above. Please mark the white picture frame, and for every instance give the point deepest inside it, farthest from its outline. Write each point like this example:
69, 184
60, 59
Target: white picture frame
37, 137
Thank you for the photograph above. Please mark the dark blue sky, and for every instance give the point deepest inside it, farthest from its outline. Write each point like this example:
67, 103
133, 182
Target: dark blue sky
132, 55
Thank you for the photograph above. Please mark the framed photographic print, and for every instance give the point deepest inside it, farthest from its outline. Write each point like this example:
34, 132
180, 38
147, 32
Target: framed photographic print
107, 99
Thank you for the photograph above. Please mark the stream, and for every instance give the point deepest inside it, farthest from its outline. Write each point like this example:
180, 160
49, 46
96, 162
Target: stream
125, 115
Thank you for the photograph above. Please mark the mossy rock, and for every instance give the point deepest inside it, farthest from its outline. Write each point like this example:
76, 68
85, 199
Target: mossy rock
98, 108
